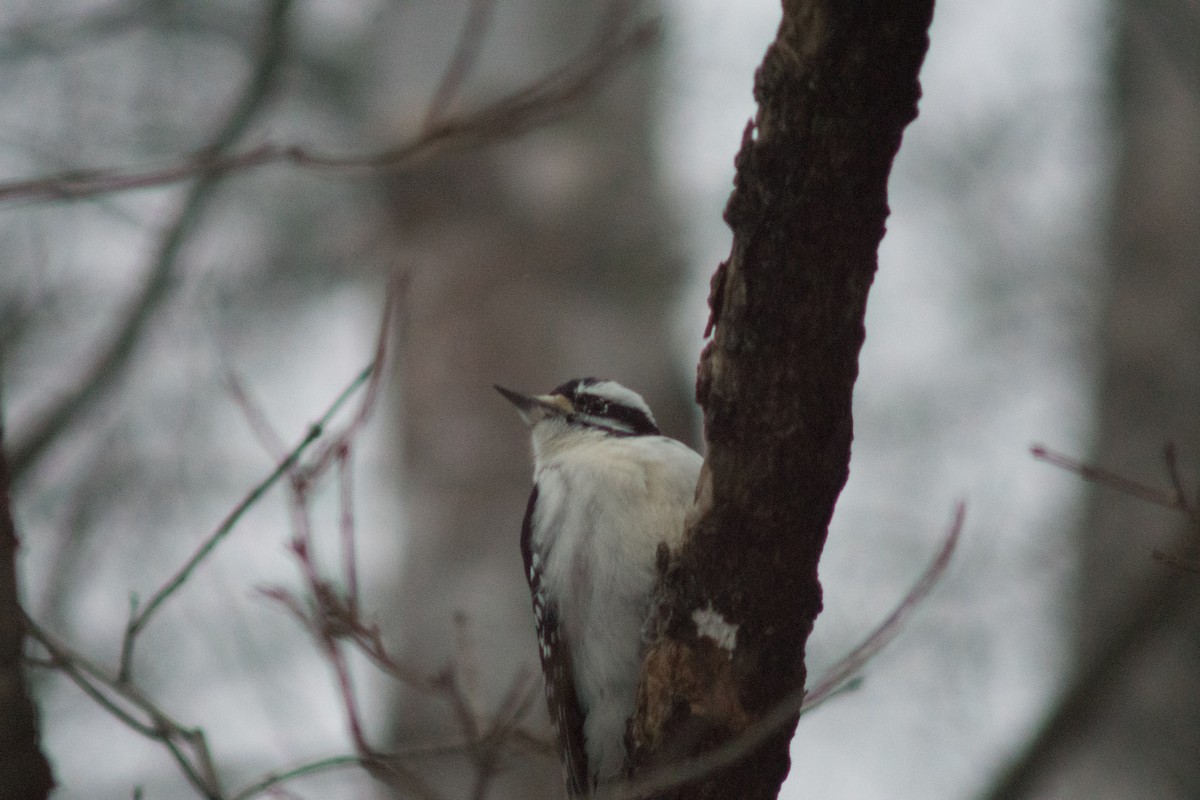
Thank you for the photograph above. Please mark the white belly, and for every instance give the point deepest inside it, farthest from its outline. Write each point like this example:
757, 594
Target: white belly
604, 511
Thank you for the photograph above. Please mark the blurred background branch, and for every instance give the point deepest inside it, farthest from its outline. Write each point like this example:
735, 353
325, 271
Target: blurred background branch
539, 103
110, 362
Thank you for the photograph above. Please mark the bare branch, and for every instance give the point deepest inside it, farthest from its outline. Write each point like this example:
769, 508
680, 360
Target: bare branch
333, 617
273, 780
139, 619
1092, 474
346, 526
196, 763
1171, 461
58, 34
1183, 562
533, 106
268, 438
1152, 609
465, 678
1177, 499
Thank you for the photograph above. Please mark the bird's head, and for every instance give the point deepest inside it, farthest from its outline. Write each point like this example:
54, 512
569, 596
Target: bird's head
586, 404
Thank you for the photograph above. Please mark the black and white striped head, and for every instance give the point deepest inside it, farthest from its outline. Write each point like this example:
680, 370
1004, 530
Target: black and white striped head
588, 403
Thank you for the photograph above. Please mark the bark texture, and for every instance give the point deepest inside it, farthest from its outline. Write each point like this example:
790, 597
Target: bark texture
835, 91
24, 770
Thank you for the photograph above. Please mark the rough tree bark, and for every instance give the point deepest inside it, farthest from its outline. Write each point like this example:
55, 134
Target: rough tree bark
24, 771
835, 91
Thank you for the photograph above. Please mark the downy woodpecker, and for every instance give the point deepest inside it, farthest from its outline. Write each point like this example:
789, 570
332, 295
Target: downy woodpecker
608, 489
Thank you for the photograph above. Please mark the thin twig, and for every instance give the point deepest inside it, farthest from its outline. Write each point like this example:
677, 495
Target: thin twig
1149, 610
345, 475
139, 619
1190, 504
532, 743
512, 708
274, 779
369, 642
1177, 499
397, 288
70, 668
349, 701
199, 770
1171, 461
1110, 479
271, 780
1177, 560
502, 730
466, 676
53, 36
268, 438
462, 61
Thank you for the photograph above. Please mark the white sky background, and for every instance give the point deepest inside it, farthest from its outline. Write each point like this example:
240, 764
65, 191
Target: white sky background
977, 337
976, 346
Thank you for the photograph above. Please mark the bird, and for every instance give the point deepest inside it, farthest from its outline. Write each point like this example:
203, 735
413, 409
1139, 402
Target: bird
608, 490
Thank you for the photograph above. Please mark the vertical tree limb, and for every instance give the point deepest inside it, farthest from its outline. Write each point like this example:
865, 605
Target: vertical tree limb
835, 91
24, 770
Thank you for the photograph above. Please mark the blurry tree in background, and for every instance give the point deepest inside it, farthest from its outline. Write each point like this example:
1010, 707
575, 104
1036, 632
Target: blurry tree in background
1128, 725
531, 264
1141, 617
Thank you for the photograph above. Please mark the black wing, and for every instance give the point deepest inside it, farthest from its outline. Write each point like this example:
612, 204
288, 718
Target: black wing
555, 653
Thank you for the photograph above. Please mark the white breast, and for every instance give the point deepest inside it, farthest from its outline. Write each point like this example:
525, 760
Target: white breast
604, 505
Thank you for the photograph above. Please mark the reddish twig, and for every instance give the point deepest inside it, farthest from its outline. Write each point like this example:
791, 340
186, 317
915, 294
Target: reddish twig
346, 525
1176, 499
1103, 477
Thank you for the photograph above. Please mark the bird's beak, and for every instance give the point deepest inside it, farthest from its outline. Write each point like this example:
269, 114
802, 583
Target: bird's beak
534, 408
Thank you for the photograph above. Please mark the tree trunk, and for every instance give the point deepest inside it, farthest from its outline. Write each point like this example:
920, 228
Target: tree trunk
24, 770
835, 91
